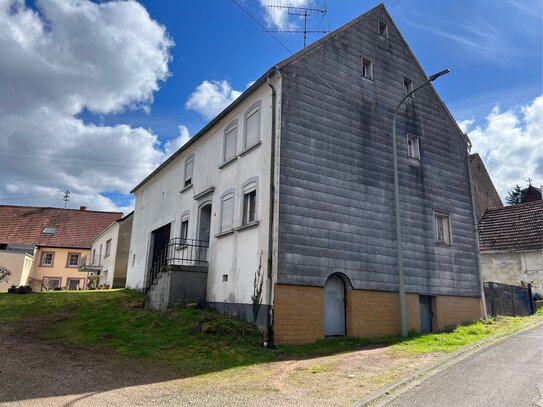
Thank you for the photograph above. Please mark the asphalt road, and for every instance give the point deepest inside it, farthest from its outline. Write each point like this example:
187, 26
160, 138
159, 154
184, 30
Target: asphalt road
509, 373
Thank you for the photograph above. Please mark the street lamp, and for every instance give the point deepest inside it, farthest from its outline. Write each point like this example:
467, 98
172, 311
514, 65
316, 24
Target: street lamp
403, 305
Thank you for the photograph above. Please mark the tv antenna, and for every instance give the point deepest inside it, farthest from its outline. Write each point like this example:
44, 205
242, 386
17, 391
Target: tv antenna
66, 197
304, 12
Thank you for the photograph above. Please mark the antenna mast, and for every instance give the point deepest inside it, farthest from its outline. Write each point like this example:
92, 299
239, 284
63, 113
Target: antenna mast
66, 198
304, 12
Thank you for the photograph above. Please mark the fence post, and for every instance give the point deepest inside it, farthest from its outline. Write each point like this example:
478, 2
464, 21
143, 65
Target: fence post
513, 300
532, 310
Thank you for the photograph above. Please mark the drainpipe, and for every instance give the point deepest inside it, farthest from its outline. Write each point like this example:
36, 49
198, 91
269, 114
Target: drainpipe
476, 225
268, 334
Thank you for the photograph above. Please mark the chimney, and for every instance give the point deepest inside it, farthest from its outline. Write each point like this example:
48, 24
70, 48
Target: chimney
82, 208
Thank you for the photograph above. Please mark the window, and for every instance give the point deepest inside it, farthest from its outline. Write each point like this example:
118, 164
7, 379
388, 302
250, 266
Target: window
108, 248
249, 202
47, 259
189, 169
225, 278
408, 87
3, 246
443, 228
93, 259
75, 284
184, 229
50, 283
227, 211
49, 230
73, 260
230, 141
413, 148
383, 29
367, 68
252, 126
99, 259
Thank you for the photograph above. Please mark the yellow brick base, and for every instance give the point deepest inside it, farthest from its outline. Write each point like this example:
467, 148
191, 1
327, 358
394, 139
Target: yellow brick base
299, 313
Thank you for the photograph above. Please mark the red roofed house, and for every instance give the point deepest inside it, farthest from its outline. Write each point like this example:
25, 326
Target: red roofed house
511, 245
42, 246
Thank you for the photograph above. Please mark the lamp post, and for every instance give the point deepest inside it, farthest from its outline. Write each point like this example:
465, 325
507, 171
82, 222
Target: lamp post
403, 305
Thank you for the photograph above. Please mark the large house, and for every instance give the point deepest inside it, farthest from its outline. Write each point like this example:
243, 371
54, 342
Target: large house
287, 197
42, 246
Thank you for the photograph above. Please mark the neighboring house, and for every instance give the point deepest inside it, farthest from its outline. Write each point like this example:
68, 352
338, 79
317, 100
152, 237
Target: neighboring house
19, 260
511, 245
60, 238
295, 179
484, 193
108, 258
531, 194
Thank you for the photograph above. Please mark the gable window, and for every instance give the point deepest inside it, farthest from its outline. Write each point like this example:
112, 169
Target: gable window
413, 147
227, 211
184, 229
249, 202
108, 248
367, 69
408, 87
230, 141
442, 228
73, 260
189, 170
47, 259
252, 126
383, 29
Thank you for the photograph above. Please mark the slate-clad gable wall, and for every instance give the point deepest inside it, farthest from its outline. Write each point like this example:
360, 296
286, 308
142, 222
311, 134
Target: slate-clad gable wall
336, 202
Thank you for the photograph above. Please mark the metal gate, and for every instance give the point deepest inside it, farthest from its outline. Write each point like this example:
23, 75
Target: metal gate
510, 300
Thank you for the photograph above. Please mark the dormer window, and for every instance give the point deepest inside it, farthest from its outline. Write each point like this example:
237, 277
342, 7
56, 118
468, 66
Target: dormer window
383, 29
49, 230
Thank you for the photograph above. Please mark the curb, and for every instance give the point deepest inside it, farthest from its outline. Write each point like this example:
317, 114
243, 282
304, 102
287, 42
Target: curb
385, 395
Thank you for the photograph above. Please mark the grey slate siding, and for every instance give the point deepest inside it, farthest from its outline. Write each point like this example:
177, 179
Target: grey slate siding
336, 203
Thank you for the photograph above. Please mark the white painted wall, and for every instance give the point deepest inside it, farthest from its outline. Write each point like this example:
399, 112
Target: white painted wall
159, 202
514, 268
107, 262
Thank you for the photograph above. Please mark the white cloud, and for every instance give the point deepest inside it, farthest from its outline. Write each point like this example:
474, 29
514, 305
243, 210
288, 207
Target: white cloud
511, 145
171, 146
55, 62
278, 18
211, 97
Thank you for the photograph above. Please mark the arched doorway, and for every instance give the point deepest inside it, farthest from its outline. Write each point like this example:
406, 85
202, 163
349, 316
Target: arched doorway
204, 229
334, 306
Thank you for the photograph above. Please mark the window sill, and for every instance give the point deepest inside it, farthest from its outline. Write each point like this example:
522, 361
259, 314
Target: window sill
181, 246
247, 226
251, 148
413, 161
370, 80
189, 186
227, 163
443, 244
225, 233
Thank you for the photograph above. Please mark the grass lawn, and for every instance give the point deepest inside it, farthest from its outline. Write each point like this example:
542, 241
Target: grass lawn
196, 341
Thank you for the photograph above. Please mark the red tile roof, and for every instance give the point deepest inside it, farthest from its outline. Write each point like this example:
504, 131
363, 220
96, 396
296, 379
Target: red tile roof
23, 225
512, 228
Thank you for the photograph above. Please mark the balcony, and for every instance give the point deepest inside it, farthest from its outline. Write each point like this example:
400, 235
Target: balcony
87, 264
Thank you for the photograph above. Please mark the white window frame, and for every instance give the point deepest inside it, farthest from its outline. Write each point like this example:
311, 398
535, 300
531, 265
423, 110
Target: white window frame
108, 248
439, 217
184, 230
413, 146
227, 195
255, 108
43, 264
367, 68
187, 181
231, 127
70, 254
249, 186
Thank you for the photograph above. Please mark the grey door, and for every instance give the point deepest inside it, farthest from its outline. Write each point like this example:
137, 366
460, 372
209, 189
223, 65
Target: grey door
334, 306
425, 302
204, 229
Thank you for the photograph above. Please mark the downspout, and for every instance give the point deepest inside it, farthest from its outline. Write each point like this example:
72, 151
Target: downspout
476, 225
268, 334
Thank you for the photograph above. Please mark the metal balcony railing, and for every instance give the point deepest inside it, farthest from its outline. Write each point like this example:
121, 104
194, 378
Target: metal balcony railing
179, 252
90, 263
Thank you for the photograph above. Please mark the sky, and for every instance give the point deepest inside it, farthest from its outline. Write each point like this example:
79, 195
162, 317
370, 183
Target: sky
95, 95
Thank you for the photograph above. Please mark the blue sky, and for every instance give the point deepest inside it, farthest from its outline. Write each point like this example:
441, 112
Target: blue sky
208, 52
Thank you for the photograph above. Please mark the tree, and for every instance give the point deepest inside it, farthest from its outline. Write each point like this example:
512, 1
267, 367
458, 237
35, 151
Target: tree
258, 284
515, 195
4, 274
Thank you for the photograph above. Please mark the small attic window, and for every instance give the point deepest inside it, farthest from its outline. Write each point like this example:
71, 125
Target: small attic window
49, 230
383, 29
408, 87
367, 69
